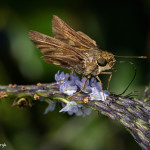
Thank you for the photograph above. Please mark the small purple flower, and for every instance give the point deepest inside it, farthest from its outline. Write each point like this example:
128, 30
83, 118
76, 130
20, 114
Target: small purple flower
68, 88
74, 78
83, 111
50, 107
96, 84
71, 107
87, 111
80, 84
71, 86
59, 77
77, 109
93, 82
98, 95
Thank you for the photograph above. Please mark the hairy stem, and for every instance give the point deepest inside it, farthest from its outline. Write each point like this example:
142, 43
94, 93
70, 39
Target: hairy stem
132, 113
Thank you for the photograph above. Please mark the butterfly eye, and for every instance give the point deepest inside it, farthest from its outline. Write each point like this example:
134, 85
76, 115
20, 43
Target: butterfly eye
102, 62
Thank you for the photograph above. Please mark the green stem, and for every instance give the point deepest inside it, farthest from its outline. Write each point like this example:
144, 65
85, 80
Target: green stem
132, 113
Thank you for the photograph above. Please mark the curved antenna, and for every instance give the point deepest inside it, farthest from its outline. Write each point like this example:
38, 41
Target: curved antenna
142, 57
133, 76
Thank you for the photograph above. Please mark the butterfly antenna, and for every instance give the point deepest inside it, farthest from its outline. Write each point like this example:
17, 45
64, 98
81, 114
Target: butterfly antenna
142, 57
133, 76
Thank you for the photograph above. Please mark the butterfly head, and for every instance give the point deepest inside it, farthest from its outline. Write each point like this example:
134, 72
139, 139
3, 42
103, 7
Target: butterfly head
106, 61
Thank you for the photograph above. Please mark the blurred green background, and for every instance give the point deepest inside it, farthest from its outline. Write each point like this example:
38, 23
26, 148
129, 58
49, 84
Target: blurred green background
120, 27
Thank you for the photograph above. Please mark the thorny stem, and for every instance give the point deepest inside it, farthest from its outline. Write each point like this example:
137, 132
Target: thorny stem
132, 113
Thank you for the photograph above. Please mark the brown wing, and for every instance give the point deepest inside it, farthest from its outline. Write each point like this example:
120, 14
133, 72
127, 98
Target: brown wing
66, 34
57, 52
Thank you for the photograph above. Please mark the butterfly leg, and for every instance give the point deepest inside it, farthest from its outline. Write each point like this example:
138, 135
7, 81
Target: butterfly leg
88, 77
110, 73
72, 72
101, 87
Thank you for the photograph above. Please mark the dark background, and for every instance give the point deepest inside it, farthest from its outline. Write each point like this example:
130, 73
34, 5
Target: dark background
120, 27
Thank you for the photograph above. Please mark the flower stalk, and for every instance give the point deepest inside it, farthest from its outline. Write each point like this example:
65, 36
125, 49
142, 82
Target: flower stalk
132, 113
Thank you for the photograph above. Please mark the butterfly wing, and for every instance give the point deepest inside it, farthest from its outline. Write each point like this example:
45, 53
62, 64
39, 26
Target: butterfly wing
58, 52
66, 34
